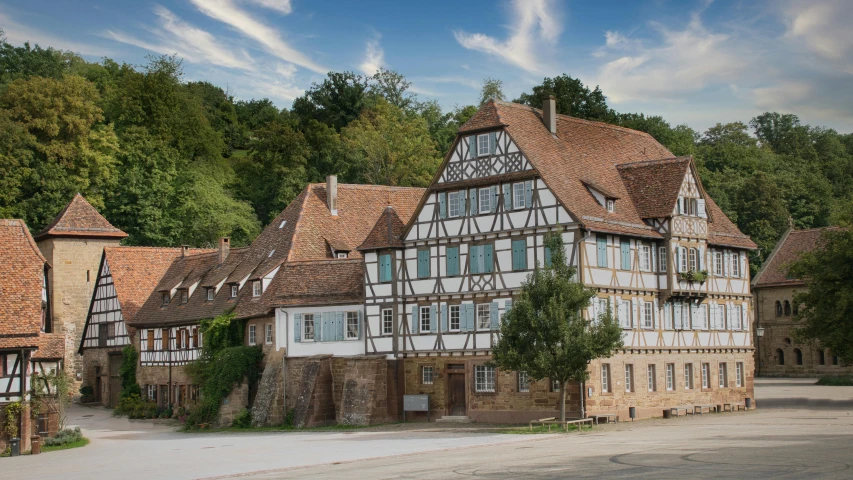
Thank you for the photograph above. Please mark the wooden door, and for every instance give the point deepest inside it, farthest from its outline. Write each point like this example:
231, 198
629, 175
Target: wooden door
115, 381
456, 388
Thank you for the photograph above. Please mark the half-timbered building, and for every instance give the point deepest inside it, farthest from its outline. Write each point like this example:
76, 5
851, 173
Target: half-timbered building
27, 342
636, 223
126, 277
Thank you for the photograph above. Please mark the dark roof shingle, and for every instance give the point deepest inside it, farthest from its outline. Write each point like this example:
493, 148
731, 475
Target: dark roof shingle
80, 219
794, 243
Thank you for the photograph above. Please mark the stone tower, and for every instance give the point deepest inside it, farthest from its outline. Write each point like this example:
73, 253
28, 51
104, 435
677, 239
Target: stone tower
73, 244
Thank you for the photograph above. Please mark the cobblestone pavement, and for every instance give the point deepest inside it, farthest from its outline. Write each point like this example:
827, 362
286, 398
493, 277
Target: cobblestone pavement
799, 431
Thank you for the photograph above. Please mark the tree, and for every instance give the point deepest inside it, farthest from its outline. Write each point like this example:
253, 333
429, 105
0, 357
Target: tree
337, 101
826, 308
492, 90
393, 87
762, 215
545, 333
572, 98
443, 126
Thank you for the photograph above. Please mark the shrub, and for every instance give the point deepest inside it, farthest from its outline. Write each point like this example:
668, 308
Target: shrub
133, 406
288, 419
836, 381
64, 436
129, 358
87, 391
243, 419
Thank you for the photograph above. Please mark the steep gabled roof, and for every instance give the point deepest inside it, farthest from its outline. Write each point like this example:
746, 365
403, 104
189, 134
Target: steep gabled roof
654, 185
793, 243
387, 233
80, 219
136, 271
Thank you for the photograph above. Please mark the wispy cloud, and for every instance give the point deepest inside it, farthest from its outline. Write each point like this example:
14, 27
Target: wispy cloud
536, 24
374, 56
226, 11
451, 79
18, 33
191, 43
281, 6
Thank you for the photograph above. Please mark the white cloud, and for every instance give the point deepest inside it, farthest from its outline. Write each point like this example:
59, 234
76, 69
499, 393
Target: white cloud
374, 56
227, 12
823, 25
281, 6
465, 82
536, 25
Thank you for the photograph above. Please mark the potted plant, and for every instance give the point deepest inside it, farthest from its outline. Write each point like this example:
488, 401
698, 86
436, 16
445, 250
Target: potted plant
87, 394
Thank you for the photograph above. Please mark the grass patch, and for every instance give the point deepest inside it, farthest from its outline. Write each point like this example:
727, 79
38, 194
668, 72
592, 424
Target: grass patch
65, 446
836, 381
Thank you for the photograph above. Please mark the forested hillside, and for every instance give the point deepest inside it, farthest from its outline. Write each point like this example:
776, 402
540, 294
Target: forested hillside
174, 162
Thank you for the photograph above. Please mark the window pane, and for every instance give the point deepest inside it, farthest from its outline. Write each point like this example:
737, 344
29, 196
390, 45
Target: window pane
518, 197
387, 321
308, 326
453, 204
454, 317
523, 382
352, 324
485, 200
484, 319
425, 319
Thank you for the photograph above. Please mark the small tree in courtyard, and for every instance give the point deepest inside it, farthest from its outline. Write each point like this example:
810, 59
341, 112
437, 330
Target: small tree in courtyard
545, 334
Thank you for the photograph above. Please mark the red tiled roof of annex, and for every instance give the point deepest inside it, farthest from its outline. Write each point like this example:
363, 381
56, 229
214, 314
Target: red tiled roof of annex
789, 249
80, 219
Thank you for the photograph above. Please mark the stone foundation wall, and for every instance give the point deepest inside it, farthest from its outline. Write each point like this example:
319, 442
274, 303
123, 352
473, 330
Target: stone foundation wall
233, 405
313, 399
268, 407
365, 391
96, 364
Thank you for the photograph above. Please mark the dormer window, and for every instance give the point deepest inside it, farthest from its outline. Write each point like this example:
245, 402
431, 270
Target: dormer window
256, 288
611, 205
210, 293
165, 298
234, 289
185, 296
482, 145
342, 255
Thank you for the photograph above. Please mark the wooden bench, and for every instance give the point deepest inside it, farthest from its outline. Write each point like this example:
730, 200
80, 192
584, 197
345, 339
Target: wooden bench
608, 417
732, 406
700, 408
553, 421
687, 409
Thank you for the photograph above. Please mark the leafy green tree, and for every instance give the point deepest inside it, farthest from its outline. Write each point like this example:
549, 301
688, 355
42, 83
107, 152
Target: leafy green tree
393, 87
572, 98
324, 153
545, 333
28, 61
680, 140
492, 90
762, 215
337, 101
17, 166
784, 135
443, 126
388, 147
826, 308
220, 111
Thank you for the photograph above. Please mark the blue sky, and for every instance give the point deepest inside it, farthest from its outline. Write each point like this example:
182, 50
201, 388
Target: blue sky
696, 62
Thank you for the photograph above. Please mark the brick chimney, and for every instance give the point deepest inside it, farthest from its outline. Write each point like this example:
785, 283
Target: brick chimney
549, 113
224, 248
332, 193
185, 250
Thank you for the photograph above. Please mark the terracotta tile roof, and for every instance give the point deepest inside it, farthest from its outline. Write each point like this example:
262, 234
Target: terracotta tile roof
51, 346
80, 219
136, 271
387, 233
793, 243
22, 270
654, 185
593, 151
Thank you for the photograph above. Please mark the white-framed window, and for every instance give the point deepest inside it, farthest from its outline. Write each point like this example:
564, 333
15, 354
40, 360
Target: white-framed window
485, 197
718, 263
484, 378
682, 257
253, 332
352, 325
721, 317
693, 256
256, 288
210, 293
737, 317
739, 374
662, 259
427, 374
648, 315
735, 265
424, 319
165, 298
483, 145
519, 199
555, 385
652, 378
152, 392
688, 376
454, 317
706, 375
268, 334
185, 296
341, 255
387, 321
523, 382
484, 316
670, 376
724, 375
629, 378
234, 290
610, 205
453, 204
605, 377
308, 327
645, 258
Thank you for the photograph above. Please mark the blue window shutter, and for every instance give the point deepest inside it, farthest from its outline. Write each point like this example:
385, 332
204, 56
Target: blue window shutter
472, 146
469, 317
528, 194
320, 333
442, 204
423, 263
494, 198
677, 315
433, 322
452, 254
473, 262
444, 318
493, 142
341, 325
415, 319
493, 312
462, 203
385, 268
602, 251
297, 327
519, 254
487, 258
472, 194
547, 257
625, 247
507, 188
701, 260
360, 323
507, 306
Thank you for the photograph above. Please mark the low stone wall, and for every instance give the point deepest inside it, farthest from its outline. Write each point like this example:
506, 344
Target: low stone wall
268, 407
313, 394
233, 405
364, 398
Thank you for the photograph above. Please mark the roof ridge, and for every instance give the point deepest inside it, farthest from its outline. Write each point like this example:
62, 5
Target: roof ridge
20, 223
595, 123
806, 230
368, 186
643, 163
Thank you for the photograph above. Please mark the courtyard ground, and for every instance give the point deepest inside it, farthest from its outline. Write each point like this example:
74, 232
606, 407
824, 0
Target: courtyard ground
799, 430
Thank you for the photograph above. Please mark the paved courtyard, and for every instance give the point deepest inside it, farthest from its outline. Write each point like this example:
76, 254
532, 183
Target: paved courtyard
799, 431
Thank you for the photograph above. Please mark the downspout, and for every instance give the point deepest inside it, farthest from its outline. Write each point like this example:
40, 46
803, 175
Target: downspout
580, 249
169, 352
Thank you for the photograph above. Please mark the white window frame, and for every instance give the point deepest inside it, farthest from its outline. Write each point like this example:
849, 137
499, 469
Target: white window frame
257, 288
210, 293
682, 259
454, 314
605, 378
706, 375
427, 374
670, 377
629, 377
735, 265
306, 317
662, 259
523, 382
651, 379
610, 205
484, 202
648, 315
423, 316
341, 255
718, 263
454, 207
723, 374
268, 334
350, 318
235, 289
519, 199
480, 151
484, 320
688, 376
152, 392
253, 334
185, 296
484, 379
693, 259
739, 374
387, 321
645, 258
625, 314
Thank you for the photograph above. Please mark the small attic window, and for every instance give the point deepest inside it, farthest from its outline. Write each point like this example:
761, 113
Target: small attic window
271, 252
210, 293
165, 298
611, 205
185, 296
283, 223
256, 288
234, 289
342, 255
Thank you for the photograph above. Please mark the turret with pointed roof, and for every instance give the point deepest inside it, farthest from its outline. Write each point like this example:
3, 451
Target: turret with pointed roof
80, 219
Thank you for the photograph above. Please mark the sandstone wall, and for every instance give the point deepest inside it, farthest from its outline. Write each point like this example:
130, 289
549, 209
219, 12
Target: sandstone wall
233, 405
96, 364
